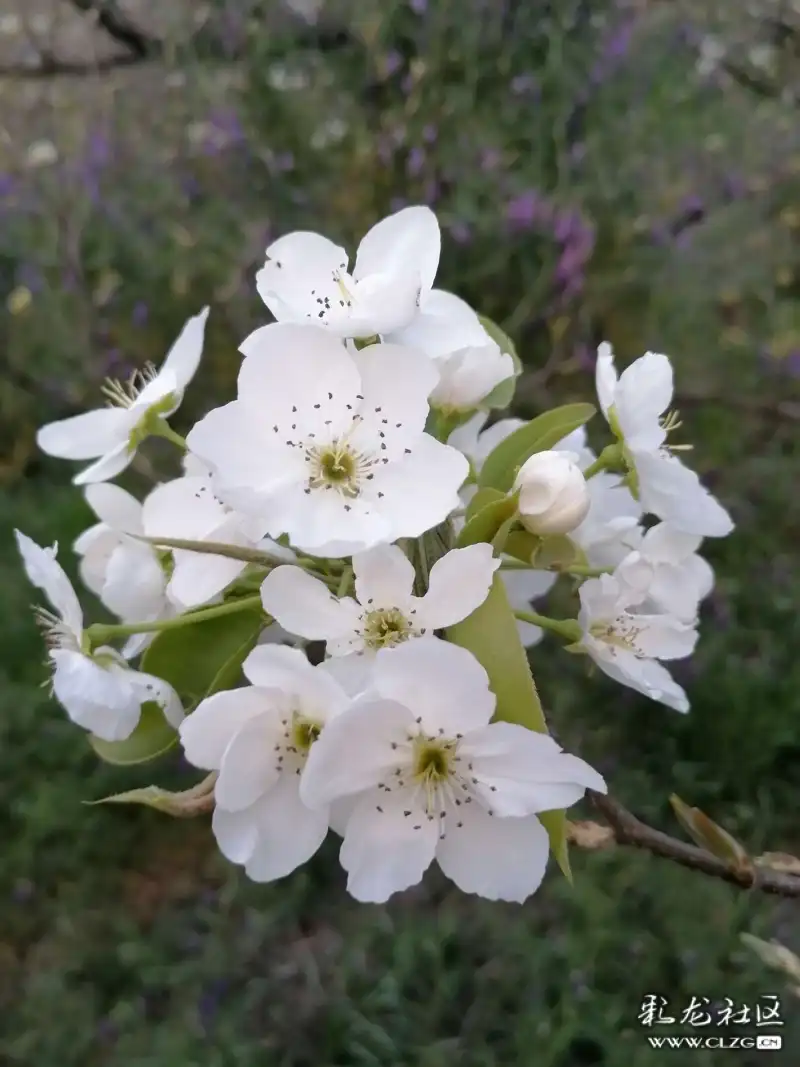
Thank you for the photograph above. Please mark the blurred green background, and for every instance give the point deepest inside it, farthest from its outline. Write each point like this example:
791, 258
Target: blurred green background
628, 172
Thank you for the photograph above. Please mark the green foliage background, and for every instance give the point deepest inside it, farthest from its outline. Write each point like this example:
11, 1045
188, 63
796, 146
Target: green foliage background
535, 130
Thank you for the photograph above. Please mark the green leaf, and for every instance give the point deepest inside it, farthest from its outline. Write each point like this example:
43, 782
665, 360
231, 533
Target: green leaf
711, 836
486, 523
152, 737
183, 805
557, 551
481, 498
523, 545
490, 633
501, 465
202, 659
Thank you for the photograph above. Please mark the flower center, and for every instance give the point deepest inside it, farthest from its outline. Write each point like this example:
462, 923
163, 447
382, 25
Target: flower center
433, 759
124, 394
620, 633
304, 732
56, 632
336, 466
385, 627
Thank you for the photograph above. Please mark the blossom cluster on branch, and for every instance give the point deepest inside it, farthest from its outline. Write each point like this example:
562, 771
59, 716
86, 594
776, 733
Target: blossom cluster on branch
353, 494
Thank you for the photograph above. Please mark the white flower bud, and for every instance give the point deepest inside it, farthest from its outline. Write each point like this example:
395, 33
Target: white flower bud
553, 495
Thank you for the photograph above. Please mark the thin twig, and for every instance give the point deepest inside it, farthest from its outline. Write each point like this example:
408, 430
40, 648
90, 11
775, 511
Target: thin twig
119, 27
628, 830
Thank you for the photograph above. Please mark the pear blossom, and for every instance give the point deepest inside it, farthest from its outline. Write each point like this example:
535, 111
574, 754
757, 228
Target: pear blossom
125, 573
666, 565
431, 777
553, 494
113, 433
328, 446
258, 738
188, 508
627, 645
444, 324
384, 611
468, 376
305, 278
611, 528
522, 587
96, 688
636, 406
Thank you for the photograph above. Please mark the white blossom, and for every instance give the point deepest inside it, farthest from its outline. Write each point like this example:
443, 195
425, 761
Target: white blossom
627, 645
666, 565
444, 324
328, 446
553, 495
125, 573
258, 738
305, 277
113, 433
384, 611
522, 587
468, 376
97, 689
636, 406
611, 528
432, 778
187, 508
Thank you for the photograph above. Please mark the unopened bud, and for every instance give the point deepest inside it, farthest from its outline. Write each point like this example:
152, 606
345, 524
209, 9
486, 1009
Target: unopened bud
553, 495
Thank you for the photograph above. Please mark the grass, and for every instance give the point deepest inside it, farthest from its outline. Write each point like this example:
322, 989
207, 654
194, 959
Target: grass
124, 938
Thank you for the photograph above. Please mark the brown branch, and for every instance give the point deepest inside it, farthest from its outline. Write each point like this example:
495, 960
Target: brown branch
49, 66
628, 830
119, 27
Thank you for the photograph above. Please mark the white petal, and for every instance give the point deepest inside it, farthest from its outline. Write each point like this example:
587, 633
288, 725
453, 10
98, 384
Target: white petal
114, 506
198, 577
384, 578
183, 358
395, 385
305, 606
440, 682
183, 508
150, 688
419, 491
206, 733
300, 269
465, 436
352, 672
605, 377
299, 379
665, 543
108, 466
330, 525
444, 324
84, 436
236, 833
383, 303
674, 493
385, 851
249, 767
645, 676
246, 453
522, 772
459, 583
663, 637
46, 573
288, 832
500, 859
355, 750
95, 547
524, 586
313, 692
469, 375
407, 241
644, 392
94, 698
134, 582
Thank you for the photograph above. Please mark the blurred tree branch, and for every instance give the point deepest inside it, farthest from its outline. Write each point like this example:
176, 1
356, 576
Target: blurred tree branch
624, 828
118, 26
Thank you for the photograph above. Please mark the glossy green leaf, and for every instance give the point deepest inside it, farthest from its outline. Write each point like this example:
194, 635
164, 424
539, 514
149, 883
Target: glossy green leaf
185, 804
152, 737
523, 545
501, 465
481, 498
490, 633
502, 340
202, 659
488, 521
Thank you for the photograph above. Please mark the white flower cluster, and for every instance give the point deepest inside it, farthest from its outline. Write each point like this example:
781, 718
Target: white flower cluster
351, 495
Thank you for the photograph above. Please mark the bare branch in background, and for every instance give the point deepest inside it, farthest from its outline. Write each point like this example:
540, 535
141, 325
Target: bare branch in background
119, 27
627, 829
